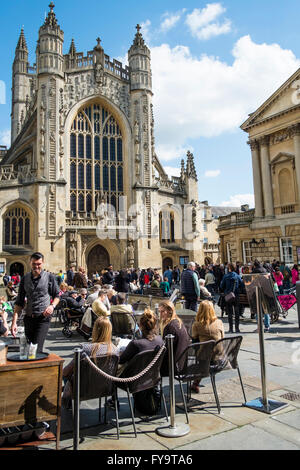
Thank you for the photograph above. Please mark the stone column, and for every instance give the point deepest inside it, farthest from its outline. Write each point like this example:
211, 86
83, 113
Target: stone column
266, 176
295, 132
258, 196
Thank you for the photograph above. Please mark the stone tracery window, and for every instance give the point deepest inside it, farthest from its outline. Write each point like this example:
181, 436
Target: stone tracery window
16, 227
96, 159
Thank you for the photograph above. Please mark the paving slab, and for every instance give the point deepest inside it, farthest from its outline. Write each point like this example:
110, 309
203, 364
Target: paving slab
292, 419
202, 424
248, 437
275, 427
129, 442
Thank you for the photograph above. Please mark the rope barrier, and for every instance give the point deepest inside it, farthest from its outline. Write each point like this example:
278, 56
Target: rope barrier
126, 379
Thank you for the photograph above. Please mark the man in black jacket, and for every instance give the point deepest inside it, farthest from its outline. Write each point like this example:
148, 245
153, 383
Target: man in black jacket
108, 277
258, 268
75, 302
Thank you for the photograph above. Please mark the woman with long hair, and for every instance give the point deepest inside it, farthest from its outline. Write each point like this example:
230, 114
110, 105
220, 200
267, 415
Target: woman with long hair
170, 323
206, 327
149, 341
101, 345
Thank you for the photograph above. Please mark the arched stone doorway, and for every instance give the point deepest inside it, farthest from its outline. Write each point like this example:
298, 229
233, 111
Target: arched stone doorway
166, 263
98, 259
16, 268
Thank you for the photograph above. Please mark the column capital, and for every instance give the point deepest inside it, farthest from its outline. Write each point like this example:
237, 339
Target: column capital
254, 144
294, 130
264, 140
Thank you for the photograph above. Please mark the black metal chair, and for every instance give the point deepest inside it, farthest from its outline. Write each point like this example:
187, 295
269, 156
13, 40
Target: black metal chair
149, 380
124, 325
93, 385
225, 357
194, 365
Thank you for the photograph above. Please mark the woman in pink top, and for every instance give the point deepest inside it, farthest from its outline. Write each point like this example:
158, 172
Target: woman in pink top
295, 274
278, 276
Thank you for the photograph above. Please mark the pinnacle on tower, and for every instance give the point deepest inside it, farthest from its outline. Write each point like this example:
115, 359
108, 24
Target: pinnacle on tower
182, 171
190, 166
138, 40
72, 50
22, 45
98, 47
51, 18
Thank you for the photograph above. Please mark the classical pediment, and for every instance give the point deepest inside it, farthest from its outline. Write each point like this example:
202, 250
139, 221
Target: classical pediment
282, 157
285, 99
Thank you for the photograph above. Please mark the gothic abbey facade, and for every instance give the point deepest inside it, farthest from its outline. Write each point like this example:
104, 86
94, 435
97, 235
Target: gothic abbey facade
83, 137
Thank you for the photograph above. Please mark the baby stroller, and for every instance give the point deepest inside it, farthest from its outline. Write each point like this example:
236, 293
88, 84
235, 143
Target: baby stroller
70, 318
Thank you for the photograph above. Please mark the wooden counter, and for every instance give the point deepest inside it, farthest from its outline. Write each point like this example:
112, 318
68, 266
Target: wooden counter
30, 392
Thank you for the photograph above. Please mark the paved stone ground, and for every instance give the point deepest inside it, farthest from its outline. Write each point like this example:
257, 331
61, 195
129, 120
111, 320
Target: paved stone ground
237, 427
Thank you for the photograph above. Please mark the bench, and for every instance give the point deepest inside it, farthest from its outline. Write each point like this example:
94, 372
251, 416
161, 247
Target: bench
157, 291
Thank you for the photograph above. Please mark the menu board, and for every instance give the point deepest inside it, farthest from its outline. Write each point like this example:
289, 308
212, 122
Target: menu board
269, 302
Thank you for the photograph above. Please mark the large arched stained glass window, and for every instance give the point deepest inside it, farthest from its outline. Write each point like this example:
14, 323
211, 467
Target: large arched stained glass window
16, 222
96, 154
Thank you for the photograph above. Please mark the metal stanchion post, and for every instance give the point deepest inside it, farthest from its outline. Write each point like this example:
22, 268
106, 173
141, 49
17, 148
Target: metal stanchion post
76, 398
173, 430
262, 403
298, 300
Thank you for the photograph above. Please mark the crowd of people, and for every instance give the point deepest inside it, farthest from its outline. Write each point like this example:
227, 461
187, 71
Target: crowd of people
195, 282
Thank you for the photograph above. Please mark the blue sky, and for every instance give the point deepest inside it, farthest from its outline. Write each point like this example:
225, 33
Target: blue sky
212, 62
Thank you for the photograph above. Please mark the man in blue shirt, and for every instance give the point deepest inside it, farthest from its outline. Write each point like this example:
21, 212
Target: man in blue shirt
169, 274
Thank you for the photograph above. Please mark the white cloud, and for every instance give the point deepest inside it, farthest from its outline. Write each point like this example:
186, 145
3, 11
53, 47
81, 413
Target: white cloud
5, 137
168, 151
201, 21
172, 171
214, 29
170, 20
204, 97
212, 173
239, 200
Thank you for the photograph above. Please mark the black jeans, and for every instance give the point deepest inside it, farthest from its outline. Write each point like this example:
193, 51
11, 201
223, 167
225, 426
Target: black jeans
36, 330
233, 309
190, 302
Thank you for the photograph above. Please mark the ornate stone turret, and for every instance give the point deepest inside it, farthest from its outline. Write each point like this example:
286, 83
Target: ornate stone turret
190, 167
139, 60
50, 46
182, 171
72, 51
20, 86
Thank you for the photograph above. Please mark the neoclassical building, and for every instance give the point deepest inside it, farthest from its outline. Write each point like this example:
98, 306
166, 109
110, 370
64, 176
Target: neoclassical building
81, 181
272, 229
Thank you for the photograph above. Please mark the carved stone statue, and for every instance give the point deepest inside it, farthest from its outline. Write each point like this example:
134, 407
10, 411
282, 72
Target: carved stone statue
99, 74
72, 254
130, 254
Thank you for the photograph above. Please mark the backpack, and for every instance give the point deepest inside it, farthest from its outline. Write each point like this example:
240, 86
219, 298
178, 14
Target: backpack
147, 402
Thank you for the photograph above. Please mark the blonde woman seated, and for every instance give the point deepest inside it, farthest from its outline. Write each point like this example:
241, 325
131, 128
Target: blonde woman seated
171, 324
206, 327
98, 306
101, 345
204, 293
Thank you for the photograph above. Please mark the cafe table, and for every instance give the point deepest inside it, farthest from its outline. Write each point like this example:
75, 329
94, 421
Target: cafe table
30, 392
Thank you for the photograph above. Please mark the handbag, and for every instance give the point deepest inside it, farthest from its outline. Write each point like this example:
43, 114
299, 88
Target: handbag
230, 298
